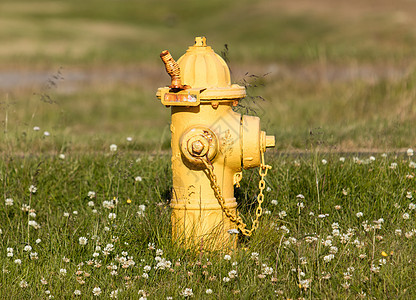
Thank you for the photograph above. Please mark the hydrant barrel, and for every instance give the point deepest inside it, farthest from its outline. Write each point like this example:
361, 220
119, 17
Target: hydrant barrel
211, 144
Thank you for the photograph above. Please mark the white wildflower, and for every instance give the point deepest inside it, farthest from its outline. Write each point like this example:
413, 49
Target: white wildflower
267, 270
109, 248
147, 268
33, 189
303, 260
333, 250
23, 284
374, 269
254, 256
114, 294
285, 229
327, 243
34, 224
96, 291
187, 293
232, 274
328, 258
9, 202
305, 283
83, 240
113, 147
233, 231
393, 165
409, 234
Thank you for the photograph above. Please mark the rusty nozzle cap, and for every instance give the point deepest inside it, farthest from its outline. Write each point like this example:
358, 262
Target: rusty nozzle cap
173, 70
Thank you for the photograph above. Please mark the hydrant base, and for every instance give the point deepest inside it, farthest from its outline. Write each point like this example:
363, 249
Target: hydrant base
203, 226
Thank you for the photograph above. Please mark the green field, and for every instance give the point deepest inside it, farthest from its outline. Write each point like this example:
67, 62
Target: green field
331, 229
338, 83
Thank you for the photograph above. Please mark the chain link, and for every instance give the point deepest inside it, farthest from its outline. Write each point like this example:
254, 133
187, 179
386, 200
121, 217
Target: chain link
235, 218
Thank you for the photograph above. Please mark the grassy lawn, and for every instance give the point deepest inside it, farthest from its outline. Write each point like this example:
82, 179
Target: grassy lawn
333, 227
78, 76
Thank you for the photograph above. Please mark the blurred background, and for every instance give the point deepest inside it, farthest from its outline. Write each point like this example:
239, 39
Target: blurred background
339, 75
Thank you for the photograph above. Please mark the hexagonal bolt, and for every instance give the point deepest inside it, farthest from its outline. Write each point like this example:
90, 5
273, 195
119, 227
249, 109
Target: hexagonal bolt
197, 147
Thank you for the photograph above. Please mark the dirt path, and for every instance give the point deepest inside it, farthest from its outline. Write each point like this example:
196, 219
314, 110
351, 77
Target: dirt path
150, 77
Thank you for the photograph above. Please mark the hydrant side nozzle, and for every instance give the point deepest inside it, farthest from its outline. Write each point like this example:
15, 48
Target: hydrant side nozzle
173, 70
270, 141
267, 141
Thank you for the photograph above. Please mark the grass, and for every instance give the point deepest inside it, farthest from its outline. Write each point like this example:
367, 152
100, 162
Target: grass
370, 257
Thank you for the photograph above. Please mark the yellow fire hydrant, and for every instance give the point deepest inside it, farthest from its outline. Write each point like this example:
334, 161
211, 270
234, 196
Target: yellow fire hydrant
210, 145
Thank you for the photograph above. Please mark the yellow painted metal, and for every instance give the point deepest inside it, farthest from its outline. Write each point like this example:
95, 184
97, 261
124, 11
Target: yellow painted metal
211, 144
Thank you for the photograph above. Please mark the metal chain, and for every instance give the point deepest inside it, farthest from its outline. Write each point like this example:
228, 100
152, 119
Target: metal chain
230, 214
